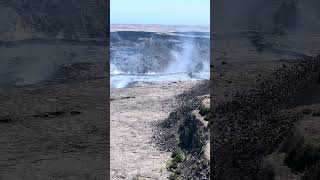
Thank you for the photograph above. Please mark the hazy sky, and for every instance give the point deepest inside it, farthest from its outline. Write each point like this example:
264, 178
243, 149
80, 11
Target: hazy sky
166, 12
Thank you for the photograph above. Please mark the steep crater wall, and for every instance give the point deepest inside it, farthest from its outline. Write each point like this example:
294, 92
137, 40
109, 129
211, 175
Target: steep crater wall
68, 19
143, 52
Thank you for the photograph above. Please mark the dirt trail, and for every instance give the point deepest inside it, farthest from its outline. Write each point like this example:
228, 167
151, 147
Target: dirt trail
133, 114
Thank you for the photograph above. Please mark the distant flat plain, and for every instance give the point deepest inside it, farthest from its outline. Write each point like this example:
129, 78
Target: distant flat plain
158, 28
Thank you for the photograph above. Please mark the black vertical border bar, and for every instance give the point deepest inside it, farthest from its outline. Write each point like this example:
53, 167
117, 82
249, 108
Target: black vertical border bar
211, 77
107, 39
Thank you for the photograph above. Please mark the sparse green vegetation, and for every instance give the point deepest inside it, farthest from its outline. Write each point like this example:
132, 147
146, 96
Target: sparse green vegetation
174, 176
203, 110
177, 156
207, 117
172, 165
138, 177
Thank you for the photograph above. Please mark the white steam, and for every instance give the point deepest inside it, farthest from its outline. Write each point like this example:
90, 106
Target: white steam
189, 60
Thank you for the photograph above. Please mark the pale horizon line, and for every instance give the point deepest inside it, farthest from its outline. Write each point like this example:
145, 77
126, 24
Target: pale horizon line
159, 28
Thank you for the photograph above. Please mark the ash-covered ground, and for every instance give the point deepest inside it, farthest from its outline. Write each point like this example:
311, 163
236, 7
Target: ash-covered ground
54, 108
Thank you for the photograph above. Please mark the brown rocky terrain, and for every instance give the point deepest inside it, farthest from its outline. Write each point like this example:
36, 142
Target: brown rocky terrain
297, 157
250, 113
264, 93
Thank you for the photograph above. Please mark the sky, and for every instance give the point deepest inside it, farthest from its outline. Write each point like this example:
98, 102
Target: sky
163, 12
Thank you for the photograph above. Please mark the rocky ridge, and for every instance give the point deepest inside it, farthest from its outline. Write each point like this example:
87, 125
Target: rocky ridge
184, 130
254, 122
